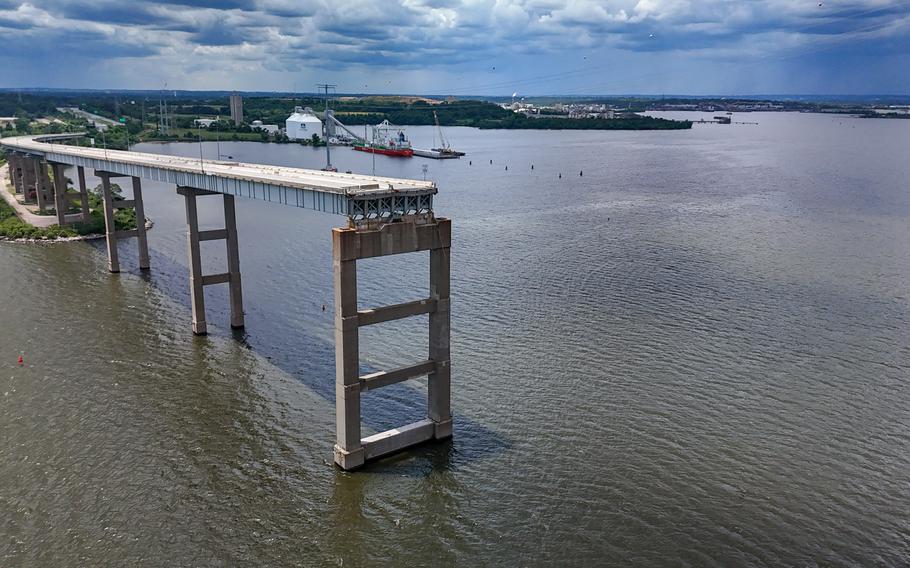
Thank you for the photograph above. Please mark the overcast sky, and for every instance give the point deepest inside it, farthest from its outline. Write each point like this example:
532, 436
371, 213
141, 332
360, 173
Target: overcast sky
462, 47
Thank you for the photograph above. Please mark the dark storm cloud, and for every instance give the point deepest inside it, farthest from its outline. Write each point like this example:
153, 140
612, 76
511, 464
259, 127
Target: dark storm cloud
231, 36
212, 4
215, 34
112, 13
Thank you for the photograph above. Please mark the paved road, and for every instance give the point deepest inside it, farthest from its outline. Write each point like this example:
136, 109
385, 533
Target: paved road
23, 212
96, 119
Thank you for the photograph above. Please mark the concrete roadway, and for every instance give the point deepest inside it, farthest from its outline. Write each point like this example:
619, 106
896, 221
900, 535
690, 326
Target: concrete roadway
314, 180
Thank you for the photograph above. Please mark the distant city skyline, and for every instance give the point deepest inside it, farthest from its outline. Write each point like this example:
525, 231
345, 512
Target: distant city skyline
462, 47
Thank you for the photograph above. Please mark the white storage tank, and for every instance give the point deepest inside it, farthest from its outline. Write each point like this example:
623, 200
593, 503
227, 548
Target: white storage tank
303, 123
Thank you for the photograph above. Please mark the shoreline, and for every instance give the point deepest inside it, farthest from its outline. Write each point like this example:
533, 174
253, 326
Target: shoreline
27, 217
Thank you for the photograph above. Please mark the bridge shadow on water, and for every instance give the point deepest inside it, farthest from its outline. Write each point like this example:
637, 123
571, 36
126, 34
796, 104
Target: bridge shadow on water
310, 359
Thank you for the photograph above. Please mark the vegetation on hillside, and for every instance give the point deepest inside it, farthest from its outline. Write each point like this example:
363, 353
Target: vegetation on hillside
12, 227
139, 116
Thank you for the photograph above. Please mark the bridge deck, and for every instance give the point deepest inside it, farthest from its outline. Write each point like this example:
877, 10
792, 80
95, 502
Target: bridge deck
355, 195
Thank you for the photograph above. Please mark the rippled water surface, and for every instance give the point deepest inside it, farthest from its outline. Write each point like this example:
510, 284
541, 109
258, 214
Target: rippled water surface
690, 350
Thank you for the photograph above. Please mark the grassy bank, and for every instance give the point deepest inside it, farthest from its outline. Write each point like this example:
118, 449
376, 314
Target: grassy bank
12, 227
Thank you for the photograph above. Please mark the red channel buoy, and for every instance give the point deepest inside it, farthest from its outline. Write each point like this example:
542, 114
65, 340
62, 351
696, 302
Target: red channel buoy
21, 361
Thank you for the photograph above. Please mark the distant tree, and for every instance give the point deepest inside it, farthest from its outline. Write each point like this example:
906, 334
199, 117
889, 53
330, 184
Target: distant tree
314, 139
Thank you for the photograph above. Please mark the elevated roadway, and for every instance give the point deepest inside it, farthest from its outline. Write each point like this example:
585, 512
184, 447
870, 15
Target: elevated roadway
357, 196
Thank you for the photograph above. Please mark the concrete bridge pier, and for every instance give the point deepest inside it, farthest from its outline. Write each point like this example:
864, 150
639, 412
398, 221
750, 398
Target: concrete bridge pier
110, 230
42, 184
348, 246
19, 171
29, 189
14, 161
198, 281
83, 195
63, 201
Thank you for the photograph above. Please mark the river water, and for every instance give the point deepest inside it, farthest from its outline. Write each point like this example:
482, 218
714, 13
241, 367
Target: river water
691, 349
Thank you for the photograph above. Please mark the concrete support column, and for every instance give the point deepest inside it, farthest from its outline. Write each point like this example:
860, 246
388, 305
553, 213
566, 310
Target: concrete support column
61, 203
197, 295
439, 380
83, 195
233, 262
42, 184
29, 179
12, 163
198, 280
110, 230
349, 452
140, 224
16, 162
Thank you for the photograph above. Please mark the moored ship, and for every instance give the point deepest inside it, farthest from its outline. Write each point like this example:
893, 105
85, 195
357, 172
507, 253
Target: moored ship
388, 140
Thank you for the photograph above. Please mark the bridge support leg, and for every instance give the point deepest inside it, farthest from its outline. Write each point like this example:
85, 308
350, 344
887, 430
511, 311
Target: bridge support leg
28, 179
439, 380
83, 196
197, 280
233, 263
110, 230
42, 184
348, 246
29, 189
348, 449
14, 172
61, 202
140, 224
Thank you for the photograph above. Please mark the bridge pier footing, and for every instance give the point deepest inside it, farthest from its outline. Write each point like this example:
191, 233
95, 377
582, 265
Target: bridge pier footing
110, 230
198, 281
348, 246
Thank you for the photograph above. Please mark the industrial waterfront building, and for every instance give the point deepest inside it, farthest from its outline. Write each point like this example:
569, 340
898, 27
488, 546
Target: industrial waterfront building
237, 109
303, 123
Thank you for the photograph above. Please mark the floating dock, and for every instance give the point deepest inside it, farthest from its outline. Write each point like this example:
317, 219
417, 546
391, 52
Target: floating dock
435, 154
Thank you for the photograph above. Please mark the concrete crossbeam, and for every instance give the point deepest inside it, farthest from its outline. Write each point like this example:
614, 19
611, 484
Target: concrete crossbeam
222, 278
213, 235
396, 238
384, 378
397, 439
373, 316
